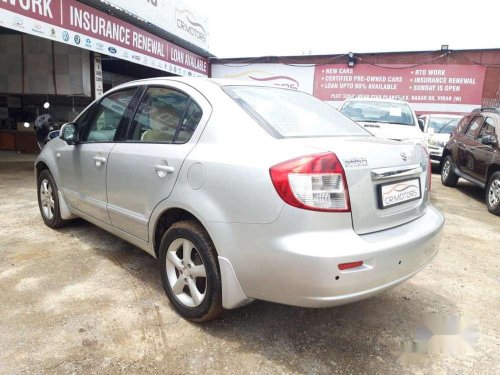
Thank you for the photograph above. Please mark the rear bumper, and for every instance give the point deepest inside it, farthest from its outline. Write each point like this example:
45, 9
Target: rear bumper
278, 265
436, 154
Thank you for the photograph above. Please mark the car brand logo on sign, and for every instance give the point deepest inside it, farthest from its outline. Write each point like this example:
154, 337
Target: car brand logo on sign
88, 42
65, 36
18, 22
77, 39
187, 22
400, 192
53, 33
37, 28
403, 156
267, 77
112, 49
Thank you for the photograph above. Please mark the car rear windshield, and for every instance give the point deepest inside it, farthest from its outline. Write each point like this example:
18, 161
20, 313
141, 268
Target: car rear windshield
444, 125
286, 113
378, 111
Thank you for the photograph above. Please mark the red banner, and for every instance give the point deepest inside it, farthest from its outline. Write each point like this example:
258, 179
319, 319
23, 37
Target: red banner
445, 84
100, 32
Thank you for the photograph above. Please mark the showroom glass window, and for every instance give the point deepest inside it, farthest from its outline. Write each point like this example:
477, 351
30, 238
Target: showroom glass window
108, 115
165, 115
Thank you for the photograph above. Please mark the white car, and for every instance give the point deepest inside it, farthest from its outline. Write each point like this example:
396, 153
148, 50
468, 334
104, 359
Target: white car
385, 118
438, 128
244, 192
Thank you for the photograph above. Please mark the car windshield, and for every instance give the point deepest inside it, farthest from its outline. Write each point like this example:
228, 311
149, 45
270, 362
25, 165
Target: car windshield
287, 113
442, 124
381, 112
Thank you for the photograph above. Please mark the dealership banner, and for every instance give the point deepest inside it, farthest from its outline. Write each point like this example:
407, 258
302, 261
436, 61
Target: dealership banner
170, 15
297, 77
431, 87
70, 22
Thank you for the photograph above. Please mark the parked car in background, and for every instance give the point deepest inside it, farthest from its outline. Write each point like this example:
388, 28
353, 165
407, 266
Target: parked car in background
438, 128
473, 153
385, 118
244, 192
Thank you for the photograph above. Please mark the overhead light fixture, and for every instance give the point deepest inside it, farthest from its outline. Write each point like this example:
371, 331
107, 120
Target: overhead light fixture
445, 47
46, 105
351, 60
26, 124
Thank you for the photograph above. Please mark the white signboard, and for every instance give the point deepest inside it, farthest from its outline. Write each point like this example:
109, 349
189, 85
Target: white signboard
98, 83
170, 15
298, 77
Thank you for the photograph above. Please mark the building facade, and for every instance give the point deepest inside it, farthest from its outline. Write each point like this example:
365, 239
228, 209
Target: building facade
59, 55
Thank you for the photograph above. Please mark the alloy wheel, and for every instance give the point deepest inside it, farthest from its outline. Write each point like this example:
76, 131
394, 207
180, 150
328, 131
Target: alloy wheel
186, 272
494, 193
446, 170
47, 199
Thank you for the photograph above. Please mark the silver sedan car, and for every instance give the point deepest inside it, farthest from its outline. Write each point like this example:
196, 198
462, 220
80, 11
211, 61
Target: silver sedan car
244, 192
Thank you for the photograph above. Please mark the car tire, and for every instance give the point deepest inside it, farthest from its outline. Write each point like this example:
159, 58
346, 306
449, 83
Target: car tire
493, 194
448, 176
48, 200
192, 283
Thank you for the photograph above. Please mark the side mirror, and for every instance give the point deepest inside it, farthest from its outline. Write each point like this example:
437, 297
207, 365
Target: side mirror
421, 124
489, 140
69, 134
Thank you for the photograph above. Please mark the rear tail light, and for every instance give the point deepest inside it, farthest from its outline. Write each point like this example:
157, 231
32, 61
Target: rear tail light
429, 169
313, 182
426, 155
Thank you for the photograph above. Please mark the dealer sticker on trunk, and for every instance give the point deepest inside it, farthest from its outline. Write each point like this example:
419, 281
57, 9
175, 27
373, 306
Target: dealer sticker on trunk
394, 193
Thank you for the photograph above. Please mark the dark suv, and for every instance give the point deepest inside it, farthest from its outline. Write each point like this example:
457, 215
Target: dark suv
473, 153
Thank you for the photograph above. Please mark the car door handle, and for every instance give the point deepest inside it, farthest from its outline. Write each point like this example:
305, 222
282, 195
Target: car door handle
163, 170
99, 160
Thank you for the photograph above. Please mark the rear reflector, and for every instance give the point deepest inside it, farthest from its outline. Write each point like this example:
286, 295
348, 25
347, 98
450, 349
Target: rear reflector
346, 266
313, 182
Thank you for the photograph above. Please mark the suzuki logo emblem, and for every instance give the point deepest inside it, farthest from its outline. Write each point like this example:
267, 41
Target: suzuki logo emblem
403, 156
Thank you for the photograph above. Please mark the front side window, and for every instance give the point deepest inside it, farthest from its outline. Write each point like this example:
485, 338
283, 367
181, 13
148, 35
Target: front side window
102, 127
292, 113
379, 112
462, 124
487, 129
159, 114
474, 127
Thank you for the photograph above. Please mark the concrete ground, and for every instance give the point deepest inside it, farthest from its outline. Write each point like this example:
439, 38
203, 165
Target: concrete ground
80, 300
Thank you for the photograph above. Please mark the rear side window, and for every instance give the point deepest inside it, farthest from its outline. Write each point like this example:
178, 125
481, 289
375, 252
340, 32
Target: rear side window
165, 115
109, 112
474, 126
189, 123
287, 113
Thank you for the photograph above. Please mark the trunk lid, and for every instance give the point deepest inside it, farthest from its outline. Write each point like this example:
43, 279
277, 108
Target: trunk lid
369, 163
